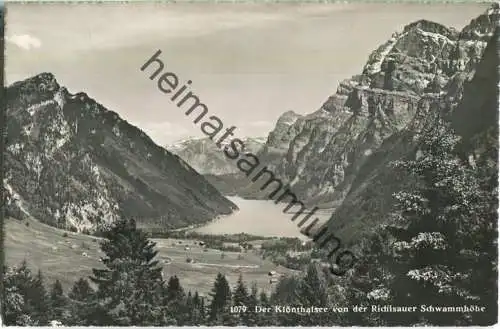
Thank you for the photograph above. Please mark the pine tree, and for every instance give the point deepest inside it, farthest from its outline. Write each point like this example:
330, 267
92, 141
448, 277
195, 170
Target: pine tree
81, 291
371, 280
175, 300
285, 293
37, 300
174, 290
58, 301
240, 295
197, 315
203, 311
219, 309
265, 319
189, 310
82, 301
241, 298
263, 299
312, 291
130, 288
252, 318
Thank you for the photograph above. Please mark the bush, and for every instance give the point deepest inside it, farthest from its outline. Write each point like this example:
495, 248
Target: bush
27, 224
65, 234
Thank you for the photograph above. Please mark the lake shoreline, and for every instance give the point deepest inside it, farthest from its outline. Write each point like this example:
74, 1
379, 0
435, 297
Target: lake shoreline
255, 217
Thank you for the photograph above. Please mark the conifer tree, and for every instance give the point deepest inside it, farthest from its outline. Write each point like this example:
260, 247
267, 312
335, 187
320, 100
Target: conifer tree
263, 299
130, 288
81, 291
196, 315
189, 310
265, 319
219, 309
240, 295
285, 293
202, 310
58, 301
174, 290
252, 318
82, 301
241, 298
174, 299
312, 291
37, 300
371, 281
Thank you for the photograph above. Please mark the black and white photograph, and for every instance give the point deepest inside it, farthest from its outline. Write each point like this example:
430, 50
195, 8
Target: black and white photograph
274, 164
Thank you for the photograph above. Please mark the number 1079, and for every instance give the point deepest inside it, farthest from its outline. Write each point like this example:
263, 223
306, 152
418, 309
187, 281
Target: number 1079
238, 309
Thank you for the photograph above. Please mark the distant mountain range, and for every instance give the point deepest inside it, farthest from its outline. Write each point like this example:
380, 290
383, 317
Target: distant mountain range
73, 164
206, 158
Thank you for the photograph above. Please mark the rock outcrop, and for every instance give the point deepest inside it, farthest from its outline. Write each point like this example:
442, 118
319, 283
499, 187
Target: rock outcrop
473, 117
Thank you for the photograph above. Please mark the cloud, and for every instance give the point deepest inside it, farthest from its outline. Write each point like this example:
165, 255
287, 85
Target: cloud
24, 41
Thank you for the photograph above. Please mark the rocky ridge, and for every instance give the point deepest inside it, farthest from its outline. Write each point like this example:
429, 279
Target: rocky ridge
74, 164
418, 71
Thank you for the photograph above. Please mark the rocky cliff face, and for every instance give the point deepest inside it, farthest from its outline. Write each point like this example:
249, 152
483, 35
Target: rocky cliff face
473, 116
72, 163
423, 69
206, 158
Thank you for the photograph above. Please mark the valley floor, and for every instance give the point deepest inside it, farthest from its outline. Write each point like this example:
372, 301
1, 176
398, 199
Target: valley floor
68, 258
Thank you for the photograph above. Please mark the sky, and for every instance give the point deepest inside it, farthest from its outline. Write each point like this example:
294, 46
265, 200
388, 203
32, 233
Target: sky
249, 63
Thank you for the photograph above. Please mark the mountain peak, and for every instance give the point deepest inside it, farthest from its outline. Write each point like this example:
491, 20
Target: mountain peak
42, 82
288, 118
74, 163
483, 26
432, 27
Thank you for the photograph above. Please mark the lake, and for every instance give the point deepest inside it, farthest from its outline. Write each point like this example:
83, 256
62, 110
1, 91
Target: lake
260, 217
